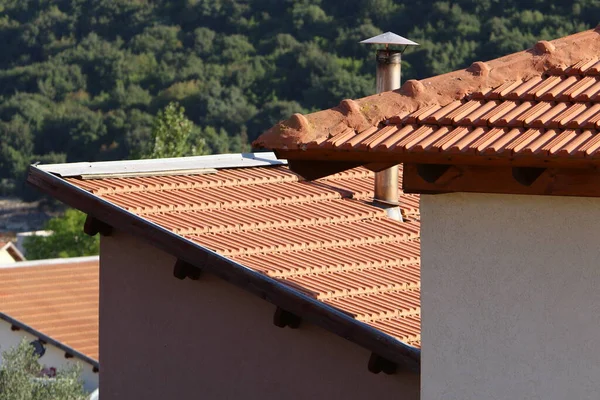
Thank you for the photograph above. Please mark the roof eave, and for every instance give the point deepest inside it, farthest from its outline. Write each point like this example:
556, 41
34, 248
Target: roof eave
354, 158
48, 339
308, 308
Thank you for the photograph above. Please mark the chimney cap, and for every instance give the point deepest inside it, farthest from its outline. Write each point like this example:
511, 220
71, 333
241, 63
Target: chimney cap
390, 38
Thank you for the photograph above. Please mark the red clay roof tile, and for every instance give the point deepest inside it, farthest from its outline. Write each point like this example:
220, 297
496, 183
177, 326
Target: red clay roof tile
553, 98
551, 107
322, 238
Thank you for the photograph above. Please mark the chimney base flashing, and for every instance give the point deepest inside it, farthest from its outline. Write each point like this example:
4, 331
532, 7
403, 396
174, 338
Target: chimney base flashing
392, 210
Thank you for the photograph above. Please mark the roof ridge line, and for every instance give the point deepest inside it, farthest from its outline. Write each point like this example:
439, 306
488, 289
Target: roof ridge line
361, 114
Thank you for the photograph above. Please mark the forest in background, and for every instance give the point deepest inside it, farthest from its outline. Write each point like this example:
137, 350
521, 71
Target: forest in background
81, 80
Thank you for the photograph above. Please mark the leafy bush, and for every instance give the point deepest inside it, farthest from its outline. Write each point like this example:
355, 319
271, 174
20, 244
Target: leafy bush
172, 134
22, 378
67, 239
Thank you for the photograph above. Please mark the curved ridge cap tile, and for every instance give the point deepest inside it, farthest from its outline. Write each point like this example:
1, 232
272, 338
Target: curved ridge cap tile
382, 106
354, 117
544, 47
568, 50
479, 68
288, 134
441, 90
412, 88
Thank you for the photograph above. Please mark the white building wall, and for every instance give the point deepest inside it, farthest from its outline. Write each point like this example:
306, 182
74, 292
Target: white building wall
53, 357
510, 297
6, 258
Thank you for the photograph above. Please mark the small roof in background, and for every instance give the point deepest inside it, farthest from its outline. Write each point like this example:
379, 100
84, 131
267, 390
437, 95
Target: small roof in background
390, 38
56, 300
12, 249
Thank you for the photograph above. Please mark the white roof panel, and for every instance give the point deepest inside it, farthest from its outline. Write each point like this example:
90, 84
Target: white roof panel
163, 165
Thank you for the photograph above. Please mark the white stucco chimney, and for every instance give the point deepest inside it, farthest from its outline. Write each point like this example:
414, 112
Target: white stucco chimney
388, 78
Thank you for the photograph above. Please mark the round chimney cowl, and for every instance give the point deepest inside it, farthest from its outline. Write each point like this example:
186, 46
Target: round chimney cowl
389, 74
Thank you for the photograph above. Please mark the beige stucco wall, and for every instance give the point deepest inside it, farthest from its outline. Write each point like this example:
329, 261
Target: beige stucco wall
162, 338
510, 297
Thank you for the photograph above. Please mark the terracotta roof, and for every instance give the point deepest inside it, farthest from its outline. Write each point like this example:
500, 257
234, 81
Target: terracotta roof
317, 250
54, 298
322, 238
537, 106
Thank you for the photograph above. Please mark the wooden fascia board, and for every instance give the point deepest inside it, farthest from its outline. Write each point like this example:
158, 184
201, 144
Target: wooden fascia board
503, 180
260, 285
430, 157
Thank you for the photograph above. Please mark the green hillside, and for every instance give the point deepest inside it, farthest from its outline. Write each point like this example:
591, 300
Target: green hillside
83, 79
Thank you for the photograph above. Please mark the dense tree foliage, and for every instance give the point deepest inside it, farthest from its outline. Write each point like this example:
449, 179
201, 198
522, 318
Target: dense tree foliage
67, 239
23, 377
81, 79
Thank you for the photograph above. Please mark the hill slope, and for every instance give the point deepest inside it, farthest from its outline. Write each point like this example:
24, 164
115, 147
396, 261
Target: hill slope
82, 79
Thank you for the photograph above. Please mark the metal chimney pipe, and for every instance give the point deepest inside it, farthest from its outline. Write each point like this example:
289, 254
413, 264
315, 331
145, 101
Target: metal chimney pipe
388, 78
386, 181
388, 70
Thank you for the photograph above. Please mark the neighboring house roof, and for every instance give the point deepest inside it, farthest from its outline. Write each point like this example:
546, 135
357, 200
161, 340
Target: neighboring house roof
11, 249
316, 249
538, 107
55, 300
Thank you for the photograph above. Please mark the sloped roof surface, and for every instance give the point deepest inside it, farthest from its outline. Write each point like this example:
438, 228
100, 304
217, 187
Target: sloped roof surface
321, 238
58, 299
555, 115
540, 104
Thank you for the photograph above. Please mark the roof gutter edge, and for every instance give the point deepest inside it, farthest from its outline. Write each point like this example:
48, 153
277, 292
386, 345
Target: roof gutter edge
327, 317
48, 339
